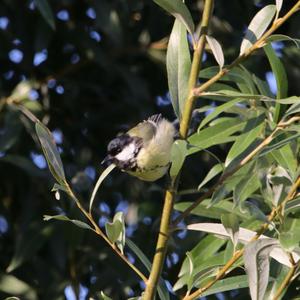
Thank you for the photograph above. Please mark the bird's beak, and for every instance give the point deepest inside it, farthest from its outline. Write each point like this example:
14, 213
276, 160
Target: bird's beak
107, 161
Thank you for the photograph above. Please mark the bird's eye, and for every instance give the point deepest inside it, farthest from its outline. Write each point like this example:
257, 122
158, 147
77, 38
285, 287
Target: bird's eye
114, 147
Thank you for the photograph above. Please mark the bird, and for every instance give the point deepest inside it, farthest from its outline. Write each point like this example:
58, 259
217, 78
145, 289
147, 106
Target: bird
145, 150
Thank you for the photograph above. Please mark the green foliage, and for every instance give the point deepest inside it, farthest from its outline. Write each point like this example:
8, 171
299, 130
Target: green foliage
104, 61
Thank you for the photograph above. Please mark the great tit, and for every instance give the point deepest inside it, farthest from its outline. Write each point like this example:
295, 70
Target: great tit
145, 150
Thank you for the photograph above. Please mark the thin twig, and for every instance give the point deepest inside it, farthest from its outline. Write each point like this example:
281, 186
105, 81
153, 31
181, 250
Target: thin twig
288, 278
98, 231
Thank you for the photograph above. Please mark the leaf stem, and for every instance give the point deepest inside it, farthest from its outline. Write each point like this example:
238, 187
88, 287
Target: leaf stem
164, 231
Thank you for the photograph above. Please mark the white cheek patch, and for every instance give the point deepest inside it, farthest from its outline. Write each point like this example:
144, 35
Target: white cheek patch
127, 153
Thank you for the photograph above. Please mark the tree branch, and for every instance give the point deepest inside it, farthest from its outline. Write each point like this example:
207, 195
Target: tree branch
164, 231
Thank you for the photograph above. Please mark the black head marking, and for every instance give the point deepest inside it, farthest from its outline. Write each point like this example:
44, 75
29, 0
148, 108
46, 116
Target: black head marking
117, 144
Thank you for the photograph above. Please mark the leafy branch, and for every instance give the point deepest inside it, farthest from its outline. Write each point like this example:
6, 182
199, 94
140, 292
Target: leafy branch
239, 253
199, 90
56, 168
164, 231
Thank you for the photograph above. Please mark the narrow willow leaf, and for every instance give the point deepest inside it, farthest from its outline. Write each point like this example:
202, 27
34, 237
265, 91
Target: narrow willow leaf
214, 135
12, 285
231, 225
278, 70
218, 110
245, 236
289, 240
51, 153
228, 284
162, 289
213, 212
178, 66
234, 75
104, 297
46, 11
219, 195
295, 108
258, 26
292, 206
278, 143
252, 131
282, 38
286, 157
262, 86
214, 171
216, 50
278, 8
65, 218
256, 258
246, 187
115, 230
178, 154
179, 10
101, 178
206, 248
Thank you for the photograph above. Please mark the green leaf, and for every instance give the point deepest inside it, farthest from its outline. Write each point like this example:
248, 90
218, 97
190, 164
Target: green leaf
206, 248
252, 131
289, 240
246, 187
10, 284
295, 108
245, 236
46, 11
286, 157
162, 289
178, 66
258, 26
218, 110
256, 258
216, 50
178, 154
228, 284
262, 86
280, 76
51, 153
214, 171
279, 142
214, 135
213, 212
116, 230
231, 225
104, 297
179, 10
101, 178
282, 38
65, 218
234, 75
292, 206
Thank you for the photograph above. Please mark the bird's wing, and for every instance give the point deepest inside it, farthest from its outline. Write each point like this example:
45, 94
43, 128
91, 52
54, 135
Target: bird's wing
146, 130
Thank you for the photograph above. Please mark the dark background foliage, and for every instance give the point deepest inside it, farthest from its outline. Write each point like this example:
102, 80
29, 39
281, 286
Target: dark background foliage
100, 71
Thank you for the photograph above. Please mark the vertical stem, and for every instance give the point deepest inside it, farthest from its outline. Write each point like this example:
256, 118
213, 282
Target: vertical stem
161, 247
163, 236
